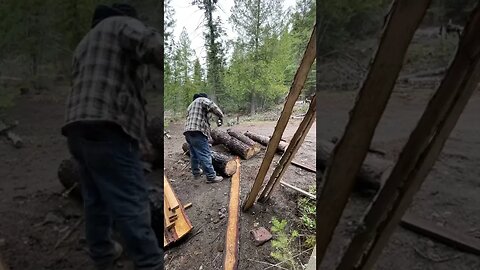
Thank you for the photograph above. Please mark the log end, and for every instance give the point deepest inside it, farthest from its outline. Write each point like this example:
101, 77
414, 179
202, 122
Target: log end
251, 152
230, 168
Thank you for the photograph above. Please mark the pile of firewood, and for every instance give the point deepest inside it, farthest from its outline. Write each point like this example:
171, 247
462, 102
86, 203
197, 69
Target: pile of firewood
6, 130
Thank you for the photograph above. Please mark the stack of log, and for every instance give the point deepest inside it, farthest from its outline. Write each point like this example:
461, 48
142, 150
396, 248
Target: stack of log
236, 142
223, 164
6, 130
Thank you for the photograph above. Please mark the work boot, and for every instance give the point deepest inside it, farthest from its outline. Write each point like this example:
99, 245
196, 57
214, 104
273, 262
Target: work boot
217, 179
198, 175
117, 253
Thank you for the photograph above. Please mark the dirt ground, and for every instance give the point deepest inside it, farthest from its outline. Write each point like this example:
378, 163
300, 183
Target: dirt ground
205, 248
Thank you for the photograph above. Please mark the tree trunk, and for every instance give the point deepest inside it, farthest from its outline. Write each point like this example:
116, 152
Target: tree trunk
223, 164
233, 144
263, 140
244, 139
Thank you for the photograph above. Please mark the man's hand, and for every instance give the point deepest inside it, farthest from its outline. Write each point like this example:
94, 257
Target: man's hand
219, 122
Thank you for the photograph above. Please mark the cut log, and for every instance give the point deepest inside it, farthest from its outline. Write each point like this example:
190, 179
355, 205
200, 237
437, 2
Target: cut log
155, 133
233, 144
371, 171
232, 236
243, 138
223, 164
263, 140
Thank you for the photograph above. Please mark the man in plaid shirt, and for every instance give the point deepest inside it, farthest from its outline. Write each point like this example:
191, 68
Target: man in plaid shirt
197, 132
105, 124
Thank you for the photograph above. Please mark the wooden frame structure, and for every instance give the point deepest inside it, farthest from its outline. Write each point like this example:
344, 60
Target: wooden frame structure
295, 90
419, 153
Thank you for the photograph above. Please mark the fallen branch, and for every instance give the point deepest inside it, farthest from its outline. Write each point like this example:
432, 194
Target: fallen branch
310, 195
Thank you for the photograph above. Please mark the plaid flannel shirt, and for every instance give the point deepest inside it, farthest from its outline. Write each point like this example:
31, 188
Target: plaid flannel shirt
197, 115
106, 84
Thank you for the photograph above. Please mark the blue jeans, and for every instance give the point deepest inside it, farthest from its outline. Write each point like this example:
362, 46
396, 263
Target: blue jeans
114, 190
200, 154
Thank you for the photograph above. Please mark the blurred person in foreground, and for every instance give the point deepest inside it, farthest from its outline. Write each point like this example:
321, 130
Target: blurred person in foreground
105, 126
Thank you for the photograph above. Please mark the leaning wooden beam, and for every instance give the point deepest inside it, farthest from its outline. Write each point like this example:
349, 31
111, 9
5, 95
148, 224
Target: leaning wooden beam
295, 89
292, 149
421, 150
449, 237
232, 236
348, 155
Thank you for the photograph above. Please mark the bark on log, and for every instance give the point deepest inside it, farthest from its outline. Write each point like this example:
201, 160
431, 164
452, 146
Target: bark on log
243, 138
370, 174
233, 144
69, 175
263, 140
155, 133
223, 164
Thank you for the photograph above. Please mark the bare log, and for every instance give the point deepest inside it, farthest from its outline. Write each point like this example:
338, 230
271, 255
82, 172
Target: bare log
263, 140
233, 144
244, 139
371, 171
223, 164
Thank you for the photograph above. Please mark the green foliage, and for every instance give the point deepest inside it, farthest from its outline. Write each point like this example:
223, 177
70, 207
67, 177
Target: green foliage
282, 244
261, 66
307, 210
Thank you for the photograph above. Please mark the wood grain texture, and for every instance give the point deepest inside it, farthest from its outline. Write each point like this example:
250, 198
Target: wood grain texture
340, 176
181, 226
232, 236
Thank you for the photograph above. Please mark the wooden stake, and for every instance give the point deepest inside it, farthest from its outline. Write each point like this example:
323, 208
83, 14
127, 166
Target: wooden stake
421, 150
292, 149
232, 236
348, 155
295, 89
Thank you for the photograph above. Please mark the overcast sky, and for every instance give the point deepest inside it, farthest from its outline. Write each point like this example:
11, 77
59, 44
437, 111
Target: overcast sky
191, 17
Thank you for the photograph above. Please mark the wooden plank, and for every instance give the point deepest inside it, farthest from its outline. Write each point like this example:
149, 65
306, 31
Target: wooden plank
427, 139
181, 226
232, 237
295, 89
188, 205
304, 166
351, 150
310, 195
170, 197
449, 237
292, 149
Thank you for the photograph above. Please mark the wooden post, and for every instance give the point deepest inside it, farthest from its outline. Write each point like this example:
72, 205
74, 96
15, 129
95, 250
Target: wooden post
348, 155
232, 236
292, 149
295, 89
420, 152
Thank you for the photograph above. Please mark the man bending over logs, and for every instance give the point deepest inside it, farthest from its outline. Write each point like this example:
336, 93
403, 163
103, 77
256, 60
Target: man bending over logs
197, 132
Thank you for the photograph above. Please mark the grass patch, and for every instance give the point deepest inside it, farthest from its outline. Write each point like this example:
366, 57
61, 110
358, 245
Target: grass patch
307, 209
283, 244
